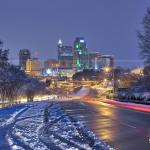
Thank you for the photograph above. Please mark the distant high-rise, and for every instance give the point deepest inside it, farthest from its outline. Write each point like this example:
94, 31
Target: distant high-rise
65, 55
106, 61
33, 67
93, 60
80, 55
59, 46
24, 55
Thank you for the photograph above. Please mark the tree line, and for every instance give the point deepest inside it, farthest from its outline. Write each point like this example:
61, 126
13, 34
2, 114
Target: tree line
144, 42
14, 82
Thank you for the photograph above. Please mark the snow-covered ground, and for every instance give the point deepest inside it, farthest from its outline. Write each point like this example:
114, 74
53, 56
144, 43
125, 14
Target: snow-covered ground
43, 126
81, 93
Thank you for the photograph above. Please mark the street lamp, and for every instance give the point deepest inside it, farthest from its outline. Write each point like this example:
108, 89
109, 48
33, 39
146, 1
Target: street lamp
107, 69
112, 70
105, 80
113, 74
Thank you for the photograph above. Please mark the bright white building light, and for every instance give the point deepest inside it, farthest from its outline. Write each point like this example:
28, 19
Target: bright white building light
48, 71
81, 41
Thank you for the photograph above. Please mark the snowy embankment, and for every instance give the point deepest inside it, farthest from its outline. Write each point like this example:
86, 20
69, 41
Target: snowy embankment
43, 126
24, 134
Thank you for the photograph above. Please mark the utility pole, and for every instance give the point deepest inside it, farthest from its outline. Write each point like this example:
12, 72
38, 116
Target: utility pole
113, 74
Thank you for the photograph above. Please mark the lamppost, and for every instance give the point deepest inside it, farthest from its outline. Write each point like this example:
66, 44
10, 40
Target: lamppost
113, 74
108, 70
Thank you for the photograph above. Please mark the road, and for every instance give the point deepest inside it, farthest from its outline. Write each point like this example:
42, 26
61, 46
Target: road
121, 128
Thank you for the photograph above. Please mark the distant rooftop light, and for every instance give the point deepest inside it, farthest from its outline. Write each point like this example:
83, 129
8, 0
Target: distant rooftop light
60, 42
82, 41
48, 71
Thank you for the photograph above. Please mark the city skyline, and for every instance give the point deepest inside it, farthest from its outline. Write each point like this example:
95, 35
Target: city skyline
99, 22
75, 74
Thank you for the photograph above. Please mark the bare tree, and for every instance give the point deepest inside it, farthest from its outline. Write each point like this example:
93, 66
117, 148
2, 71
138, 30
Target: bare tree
144, 39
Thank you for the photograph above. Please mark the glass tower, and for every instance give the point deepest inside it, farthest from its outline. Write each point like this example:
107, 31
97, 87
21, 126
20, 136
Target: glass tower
80, 56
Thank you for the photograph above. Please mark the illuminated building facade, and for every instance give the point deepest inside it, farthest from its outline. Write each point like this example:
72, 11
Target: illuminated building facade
24, 55
50, 67
94, 60
65, 55
80, 55
106, 61
33, 67
51, 63
137, 71
78, 58
67, 72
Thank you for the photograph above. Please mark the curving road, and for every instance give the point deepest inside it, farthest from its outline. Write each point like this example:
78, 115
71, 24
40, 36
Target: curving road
122, 129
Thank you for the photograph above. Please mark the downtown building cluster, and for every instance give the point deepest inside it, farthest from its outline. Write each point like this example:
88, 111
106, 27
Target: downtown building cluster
70, 59
79, 58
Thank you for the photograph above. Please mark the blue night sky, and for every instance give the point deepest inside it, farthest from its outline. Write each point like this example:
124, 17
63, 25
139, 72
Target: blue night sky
109, 26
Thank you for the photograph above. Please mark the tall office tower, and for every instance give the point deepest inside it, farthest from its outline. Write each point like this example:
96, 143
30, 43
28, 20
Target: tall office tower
93, 60
24, 55
59, 46
80, 55
65, 55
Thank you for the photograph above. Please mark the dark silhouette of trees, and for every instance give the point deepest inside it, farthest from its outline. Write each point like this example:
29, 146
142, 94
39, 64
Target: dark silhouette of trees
48, 82
147, 71
88, 75
14, 82
11, 78
1, 43
144, 39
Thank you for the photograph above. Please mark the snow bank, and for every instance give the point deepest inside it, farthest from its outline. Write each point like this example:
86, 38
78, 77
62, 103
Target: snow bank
25, 132
30, 131
12, 117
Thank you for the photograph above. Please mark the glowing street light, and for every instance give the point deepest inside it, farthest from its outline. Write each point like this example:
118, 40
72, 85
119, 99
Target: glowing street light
107, 69
105, 80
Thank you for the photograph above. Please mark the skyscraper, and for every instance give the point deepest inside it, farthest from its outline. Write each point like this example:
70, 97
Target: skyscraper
65, 55
59, 46
24, 55
80, 55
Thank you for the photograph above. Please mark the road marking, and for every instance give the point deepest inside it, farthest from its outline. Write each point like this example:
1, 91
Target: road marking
128, 125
